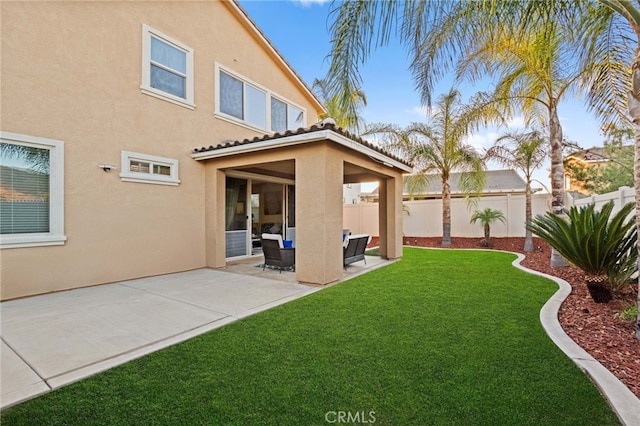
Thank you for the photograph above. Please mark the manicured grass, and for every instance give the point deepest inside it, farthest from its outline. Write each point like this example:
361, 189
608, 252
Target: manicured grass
441, 337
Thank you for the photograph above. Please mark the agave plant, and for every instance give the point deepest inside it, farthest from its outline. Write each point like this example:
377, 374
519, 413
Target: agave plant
599, 243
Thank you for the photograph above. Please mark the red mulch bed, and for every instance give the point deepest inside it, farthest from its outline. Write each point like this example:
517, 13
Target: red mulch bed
596, 327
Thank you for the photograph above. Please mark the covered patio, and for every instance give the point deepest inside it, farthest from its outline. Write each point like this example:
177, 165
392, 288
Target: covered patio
312, 164
252, 267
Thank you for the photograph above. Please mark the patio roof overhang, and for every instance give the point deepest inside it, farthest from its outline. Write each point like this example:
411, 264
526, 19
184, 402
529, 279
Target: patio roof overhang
318, 161
315, 133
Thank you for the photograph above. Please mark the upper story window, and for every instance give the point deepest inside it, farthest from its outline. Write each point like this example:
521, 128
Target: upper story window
285, 116
248, 103
146, 168
31, 191
242, 101
167, 68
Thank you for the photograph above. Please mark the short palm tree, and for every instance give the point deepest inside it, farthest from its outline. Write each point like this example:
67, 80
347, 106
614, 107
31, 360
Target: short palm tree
597, 242
486, 218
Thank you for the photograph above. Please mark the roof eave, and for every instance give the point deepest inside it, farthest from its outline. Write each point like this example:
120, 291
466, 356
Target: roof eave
299, 139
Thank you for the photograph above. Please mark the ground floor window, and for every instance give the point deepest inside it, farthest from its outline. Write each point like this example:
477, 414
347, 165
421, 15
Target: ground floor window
146, 168
31, 191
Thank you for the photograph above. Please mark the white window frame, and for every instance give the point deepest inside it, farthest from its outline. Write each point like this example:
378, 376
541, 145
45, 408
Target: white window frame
55, 236
288, 105
246, 81
126, 175
147, 33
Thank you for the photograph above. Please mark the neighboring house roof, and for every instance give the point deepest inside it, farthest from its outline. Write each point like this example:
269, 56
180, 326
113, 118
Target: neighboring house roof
498, 182
262, 39
595, 154
317, 132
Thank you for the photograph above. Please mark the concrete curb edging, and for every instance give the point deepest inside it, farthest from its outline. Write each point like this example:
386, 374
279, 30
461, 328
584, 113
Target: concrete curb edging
623, 402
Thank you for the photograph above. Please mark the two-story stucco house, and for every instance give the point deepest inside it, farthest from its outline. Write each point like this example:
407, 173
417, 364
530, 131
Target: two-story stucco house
144, 138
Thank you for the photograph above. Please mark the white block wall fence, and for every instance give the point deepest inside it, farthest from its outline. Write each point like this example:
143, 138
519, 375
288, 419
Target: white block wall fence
424, 218
620, 197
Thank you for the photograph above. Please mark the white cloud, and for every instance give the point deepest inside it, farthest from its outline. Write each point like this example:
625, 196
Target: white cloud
421, 112
516, 123
481, 142
309, 3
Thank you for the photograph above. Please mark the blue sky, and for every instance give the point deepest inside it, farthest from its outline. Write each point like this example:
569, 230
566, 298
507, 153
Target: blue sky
299, 29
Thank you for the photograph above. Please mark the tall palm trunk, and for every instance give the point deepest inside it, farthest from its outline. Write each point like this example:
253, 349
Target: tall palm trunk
528, 237
633, 101
636, 171
446, 212
557, 174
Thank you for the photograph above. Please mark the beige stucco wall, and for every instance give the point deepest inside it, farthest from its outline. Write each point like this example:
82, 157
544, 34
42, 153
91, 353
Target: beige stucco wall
72, 71
319, 214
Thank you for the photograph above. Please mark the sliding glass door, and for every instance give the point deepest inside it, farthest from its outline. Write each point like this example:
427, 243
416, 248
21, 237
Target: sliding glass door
236, 217
290, 192
256, 206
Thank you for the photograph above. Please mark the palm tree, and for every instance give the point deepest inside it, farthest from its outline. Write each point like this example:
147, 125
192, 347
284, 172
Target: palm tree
598, 242
347, 118
438, 147
437, 34
486, 218
534, 75
611, 37
525, 152
521, 43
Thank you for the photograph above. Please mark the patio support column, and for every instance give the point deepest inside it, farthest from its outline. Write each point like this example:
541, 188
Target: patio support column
214, 217
319, 178
390, 213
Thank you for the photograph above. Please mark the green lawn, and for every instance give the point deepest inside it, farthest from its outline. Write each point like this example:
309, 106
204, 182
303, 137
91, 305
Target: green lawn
441, 337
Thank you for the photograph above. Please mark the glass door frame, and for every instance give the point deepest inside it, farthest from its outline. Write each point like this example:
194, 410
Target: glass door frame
255, 177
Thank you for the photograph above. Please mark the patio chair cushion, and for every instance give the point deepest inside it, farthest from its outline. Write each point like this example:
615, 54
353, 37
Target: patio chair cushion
276, 237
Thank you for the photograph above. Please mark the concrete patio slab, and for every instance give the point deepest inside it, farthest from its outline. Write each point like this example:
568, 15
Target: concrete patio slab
55, 339
18, 381
232, 295
52, 340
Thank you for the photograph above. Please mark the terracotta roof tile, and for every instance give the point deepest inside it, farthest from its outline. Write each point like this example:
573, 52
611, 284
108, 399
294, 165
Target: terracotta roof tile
302, 130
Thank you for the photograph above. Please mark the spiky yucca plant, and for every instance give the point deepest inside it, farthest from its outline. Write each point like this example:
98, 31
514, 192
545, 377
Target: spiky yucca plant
595, 241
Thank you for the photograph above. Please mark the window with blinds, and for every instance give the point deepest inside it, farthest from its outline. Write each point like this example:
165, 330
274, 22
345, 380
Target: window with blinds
31, 191
167, 68
24, 189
